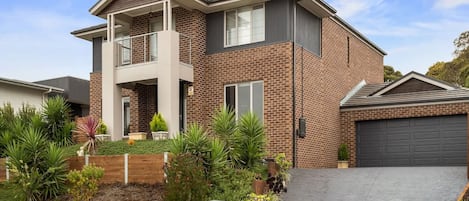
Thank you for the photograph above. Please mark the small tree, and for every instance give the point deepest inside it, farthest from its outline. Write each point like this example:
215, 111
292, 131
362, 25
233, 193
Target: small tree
343, 154
88, 126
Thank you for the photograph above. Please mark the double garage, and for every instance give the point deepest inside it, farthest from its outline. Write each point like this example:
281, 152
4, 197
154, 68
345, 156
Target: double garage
414, 121
422, 141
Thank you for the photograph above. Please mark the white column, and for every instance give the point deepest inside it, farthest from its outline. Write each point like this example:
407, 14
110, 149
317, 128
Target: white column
170, 16
168, 84
165, 15
111, 94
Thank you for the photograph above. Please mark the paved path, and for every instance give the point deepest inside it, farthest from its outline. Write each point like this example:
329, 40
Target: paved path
377, 184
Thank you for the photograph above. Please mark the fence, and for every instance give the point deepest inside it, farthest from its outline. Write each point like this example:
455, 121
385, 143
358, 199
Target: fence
146, 169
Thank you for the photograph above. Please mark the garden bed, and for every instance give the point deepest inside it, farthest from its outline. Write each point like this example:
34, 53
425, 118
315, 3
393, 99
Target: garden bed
121, 147
130, 192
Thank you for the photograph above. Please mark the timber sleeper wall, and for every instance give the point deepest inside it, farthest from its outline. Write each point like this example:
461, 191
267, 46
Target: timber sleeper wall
146, 169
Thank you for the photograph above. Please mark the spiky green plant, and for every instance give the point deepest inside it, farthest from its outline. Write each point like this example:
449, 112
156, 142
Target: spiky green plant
253, 140
26, 113
56, 114
39, 166
225, 128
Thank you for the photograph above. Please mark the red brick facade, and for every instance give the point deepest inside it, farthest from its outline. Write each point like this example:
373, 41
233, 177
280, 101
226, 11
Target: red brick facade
326, 80
320, 83
348, 118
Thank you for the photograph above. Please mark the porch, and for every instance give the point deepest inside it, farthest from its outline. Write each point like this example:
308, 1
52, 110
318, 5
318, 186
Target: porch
145, 52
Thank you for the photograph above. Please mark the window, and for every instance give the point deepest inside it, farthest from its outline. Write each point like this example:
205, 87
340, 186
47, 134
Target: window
156, 25
245, 97
245, 25
125, 116
124, 48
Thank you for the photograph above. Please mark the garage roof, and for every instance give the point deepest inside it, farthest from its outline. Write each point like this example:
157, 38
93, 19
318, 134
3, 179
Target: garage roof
367, 96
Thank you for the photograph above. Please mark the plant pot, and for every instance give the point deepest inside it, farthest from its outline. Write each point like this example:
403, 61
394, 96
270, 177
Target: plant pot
258, 186
342, 164
138, 136
160, 135
272, 168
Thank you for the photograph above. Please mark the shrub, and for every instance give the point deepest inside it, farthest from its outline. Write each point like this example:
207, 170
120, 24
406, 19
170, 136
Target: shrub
84, 184
343, 154
39, 166
102, 128
88, 126
235, 185
225, 128
265, 197
252, 142
56, 114
186, 179
158, 123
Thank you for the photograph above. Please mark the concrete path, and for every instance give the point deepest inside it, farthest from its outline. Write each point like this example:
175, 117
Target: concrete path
377, 184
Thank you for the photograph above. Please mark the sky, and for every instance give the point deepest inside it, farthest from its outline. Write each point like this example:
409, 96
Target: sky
36, 43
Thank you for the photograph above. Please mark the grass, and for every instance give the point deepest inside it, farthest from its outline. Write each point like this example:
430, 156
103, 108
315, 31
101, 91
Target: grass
121, 147
6, 193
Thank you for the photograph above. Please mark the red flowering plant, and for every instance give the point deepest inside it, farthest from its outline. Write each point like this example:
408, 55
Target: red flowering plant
89, 126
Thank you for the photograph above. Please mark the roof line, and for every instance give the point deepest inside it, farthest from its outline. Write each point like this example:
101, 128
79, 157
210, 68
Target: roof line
409, 76
30, 85
352, 92
358, 34
404, 104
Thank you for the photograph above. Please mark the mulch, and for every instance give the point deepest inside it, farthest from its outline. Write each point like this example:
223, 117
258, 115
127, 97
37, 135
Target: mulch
130, 192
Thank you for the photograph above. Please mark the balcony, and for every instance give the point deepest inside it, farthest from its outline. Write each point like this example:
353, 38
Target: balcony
146, 56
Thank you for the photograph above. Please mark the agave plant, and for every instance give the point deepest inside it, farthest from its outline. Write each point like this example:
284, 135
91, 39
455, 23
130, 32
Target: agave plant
88, 126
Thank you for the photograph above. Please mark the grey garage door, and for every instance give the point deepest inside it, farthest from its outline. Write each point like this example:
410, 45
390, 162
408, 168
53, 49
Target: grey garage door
428, 141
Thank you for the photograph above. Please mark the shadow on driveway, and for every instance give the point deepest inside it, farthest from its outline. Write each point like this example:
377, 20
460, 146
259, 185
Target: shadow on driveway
377, 184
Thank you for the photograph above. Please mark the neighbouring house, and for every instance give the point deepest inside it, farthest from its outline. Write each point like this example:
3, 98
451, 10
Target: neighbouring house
17, 93
291, 62
76, 92
413, 121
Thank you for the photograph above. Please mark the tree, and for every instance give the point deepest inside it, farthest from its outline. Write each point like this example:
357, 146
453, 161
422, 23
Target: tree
436, 70
390, 74
455, 71
461, 43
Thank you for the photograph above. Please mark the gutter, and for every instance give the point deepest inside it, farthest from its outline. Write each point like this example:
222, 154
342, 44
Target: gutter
44, 95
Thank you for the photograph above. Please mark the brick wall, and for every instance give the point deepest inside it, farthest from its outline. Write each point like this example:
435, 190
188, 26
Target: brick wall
326, 80
348, 118
95, 94
272, 64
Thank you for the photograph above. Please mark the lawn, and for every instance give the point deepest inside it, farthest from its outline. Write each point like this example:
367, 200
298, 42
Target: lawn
5, 193
121, 147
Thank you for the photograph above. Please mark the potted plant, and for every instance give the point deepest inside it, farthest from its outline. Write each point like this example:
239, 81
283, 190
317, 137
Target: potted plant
343, 156
258, 185
158, 127
101, 132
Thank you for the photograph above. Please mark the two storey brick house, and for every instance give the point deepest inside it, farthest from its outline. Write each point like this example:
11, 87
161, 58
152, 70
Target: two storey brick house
288, 61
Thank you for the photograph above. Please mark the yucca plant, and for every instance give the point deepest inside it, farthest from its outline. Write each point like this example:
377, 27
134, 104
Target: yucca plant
88, 126
225, 128
38, 165
253, 140
56, 114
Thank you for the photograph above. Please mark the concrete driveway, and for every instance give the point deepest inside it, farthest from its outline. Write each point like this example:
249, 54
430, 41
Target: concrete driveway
377, 184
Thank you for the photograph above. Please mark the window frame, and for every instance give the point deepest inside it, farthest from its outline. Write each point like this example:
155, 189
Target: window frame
251, 84
225, 45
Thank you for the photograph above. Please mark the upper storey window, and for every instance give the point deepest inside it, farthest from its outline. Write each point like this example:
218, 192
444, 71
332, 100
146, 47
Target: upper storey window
245, 25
